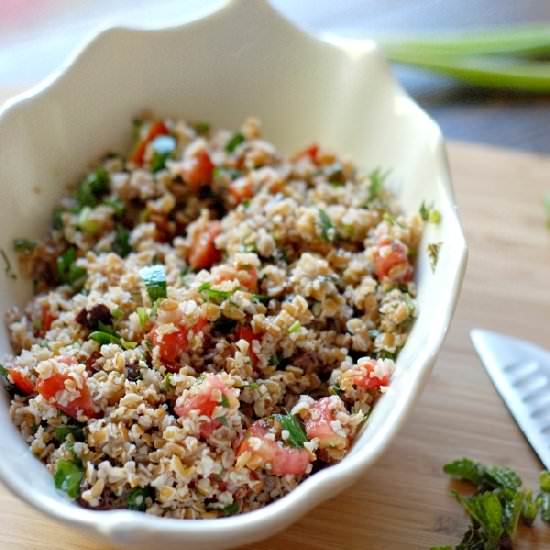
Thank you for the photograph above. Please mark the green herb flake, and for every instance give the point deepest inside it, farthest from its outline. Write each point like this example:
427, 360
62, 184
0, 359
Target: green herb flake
95, 184
117, 313
260, 298
121, 243
433, 254
224, 401
68, 476
234, 142
68, 272
62, 432
104, 337
429, 213
245, 203
215, 295
201, 127
3, 371
7, 265
232, 509
377, 180
137, 498
294, 327
154, 277
328, 233
296, 433
24, 245
335, 389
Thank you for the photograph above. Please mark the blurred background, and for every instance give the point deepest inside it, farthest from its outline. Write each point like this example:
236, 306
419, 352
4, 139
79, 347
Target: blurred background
36, 36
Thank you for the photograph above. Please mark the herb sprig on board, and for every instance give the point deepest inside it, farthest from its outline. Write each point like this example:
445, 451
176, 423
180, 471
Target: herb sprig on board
497, 506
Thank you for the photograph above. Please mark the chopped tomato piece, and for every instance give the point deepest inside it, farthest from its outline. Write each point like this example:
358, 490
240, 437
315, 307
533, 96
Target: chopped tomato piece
241, 189
246, 333
283, 460
46, 320
390, 260
200, 325
363, 377
155, 129
313, 153
319, 425
203, 252
21, 381
171, 345
207, 427
207, 397
51, 386
198, 170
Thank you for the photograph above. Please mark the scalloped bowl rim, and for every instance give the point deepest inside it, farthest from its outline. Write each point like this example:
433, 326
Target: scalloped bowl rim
310, 492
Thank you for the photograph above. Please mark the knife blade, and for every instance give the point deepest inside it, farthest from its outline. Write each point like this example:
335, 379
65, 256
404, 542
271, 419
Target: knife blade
520, 372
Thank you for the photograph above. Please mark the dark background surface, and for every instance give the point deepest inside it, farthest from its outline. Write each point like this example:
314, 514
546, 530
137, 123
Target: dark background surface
498, 118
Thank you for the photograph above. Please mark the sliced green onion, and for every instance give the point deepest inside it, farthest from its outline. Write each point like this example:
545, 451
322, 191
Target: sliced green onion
103, 337
154, 277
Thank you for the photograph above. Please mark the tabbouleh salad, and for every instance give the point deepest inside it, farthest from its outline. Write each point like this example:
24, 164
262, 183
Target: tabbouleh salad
211, 323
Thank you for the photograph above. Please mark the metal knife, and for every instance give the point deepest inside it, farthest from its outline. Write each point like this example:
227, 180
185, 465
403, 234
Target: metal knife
520, 372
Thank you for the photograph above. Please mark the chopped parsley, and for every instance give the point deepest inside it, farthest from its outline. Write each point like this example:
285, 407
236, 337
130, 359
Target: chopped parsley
61, 432
335, 389
296, 433
121, 243
68, 272
235, 140
214, 294
232, 509
497, 505
429, 213
136, 498
377, 180
95, 184
224, 402
328, 233
433, 254
68, 475
24, 245
154, 277
201, 127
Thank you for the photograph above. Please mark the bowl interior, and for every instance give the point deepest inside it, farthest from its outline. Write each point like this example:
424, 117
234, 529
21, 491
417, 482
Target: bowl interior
241, 60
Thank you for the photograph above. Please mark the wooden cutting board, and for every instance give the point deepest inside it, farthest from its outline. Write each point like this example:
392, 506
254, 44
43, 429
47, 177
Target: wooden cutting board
403, 501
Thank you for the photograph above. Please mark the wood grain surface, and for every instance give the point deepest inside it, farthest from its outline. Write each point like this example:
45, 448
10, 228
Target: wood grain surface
403, 501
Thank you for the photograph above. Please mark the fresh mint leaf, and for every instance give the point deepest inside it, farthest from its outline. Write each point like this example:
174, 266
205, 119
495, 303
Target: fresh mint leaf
296, 433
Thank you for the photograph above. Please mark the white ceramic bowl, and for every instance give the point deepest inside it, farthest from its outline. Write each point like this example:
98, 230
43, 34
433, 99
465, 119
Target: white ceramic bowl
241, 59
